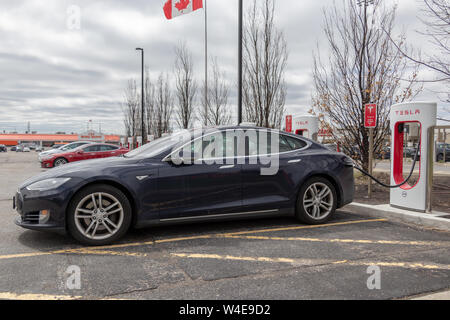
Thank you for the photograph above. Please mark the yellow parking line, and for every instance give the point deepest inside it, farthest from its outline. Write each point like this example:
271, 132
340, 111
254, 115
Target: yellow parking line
215, 235
304, 227
409, 265
364, 241
208, 236
105, 252
227, 257
35, 296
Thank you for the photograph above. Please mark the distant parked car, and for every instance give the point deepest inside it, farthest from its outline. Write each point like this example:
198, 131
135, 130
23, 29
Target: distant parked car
26, 149
19, 148
385, 153
440, 152
38, 149
3, 148
13, 148
85, 152
58, 145
63, 148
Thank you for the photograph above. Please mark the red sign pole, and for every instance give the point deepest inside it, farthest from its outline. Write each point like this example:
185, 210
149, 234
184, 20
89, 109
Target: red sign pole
289, 123
370, 122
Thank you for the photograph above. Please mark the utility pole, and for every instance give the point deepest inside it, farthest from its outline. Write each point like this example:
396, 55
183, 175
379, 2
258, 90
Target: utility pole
240, 63
206, 65
142, 96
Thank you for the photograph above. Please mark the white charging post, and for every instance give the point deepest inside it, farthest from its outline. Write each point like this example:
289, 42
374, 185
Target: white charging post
423, 114
306, 126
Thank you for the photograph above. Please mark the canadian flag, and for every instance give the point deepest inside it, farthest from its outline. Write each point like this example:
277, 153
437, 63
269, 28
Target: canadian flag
175, 8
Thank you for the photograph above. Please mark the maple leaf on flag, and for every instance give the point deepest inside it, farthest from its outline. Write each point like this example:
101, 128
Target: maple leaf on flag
176, 8
182, 4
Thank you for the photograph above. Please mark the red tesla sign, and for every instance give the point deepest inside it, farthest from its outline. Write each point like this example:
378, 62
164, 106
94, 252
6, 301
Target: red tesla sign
288, 123
370, 115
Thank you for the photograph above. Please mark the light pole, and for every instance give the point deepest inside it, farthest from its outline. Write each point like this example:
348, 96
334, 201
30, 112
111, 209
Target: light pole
240, 64
142, 96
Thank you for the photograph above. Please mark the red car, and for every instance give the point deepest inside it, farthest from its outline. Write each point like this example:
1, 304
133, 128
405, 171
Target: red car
85, 152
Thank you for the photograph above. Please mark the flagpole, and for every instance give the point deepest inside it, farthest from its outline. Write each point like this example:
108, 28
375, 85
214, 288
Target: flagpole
206, 66
240, 65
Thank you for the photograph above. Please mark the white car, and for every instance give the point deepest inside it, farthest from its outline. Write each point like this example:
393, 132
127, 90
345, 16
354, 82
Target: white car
26, 149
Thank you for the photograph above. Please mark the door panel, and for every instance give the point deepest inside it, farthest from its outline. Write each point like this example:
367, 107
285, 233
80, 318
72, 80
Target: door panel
207, 187
274, 191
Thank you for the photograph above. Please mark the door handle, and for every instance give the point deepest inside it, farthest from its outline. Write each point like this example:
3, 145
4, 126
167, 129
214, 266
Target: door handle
227, 167
295, 161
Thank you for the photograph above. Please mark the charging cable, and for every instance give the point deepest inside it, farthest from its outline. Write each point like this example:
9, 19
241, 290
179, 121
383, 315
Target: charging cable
386, 185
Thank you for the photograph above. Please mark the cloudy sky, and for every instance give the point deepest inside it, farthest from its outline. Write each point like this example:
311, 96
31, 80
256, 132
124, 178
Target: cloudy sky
58, 77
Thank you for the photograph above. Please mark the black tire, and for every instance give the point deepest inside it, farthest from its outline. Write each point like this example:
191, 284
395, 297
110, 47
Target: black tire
107, 190
304, 214
59, 162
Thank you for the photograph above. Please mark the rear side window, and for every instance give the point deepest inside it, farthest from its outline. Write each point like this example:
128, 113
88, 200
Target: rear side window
294, 143
92, 148
107, 148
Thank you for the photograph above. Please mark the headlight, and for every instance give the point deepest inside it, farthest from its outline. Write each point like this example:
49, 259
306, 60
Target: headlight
47, 184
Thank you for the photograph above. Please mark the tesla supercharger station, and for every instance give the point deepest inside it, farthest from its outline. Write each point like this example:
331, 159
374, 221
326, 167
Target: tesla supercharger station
306, 126
403, 115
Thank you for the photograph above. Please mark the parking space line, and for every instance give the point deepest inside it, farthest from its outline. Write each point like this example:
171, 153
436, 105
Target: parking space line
362, 241
220, 235
306, 227
409, 265
36, 296
105, 252
208, 236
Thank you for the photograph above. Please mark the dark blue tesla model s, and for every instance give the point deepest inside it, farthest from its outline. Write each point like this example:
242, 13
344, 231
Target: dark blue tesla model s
196, 175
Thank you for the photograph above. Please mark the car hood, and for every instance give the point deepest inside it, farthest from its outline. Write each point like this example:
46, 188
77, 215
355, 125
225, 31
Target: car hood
49, 152
88, 168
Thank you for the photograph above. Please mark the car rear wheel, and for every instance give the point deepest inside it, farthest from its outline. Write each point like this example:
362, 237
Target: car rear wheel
317, 201
99, 215
59, 162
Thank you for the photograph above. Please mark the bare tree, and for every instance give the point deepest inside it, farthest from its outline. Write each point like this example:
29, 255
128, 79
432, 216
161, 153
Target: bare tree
185, 86
363, 66
163, 106
130, 109
216, 113
264, 62
436, 19
149, 89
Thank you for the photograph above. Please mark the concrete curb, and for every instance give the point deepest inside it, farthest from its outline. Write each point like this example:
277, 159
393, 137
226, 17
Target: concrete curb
431, 220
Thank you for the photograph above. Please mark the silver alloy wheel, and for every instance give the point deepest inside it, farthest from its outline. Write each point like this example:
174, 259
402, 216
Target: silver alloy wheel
318, 201
99, 216
60, 162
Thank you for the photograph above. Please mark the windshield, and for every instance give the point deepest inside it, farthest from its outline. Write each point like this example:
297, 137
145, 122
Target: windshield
157, 146
70, 146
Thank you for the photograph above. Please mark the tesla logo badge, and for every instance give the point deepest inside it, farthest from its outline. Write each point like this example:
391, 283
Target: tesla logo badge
404, 194
140, 178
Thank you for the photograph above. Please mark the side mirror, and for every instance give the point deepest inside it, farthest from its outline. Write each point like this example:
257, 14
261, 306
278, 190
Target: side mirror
178, 161
80, 151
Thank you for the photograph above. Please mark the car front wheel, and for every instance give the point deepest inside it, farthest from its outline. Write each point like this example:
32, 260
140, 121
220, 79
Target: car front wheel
99, 215
59, 162
317, 201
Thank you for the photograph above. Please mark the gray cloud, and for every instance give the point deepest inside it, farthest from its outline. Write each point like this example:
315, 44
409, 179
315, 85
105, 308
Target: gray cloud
58, 79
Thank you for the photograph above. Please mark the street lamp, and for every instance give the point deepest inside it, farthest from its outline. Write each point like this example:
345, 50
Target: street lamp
142, 95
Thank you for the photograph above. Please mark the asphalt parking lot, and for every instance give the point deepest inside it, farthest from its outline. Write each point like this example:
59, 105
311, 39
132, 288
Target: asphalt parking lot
263, 259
